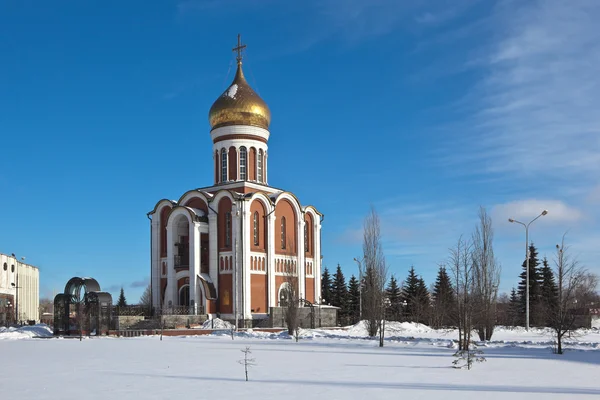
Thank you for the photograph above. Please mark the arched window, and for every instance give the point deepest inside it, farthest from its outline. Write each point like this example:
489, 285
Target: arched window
223, 165
259, 166
228, 229
243, 163
256, 228
12, 268
5, 266
283, 232
306, 247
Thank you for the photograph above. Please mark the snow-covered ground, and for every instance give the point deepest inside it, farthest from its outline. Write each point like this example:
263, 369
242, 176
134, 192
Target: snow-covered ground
326, 364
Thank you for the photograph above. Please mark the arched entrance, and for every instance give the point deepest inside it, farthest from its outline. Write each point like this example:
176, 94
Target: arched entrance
184, 296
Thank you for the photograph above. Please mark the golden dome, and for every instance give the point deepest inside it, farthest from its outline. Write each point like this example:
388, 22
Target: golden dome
239, 105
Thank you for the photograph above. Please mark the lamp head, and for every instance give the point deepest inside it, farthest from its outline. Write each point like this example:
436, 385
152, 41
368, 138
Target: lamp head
544, 212
511, 220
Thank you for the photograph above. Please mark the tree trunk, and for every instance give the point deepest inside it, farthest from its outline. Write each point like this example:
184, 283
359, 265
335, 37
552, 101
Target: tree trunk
559, 348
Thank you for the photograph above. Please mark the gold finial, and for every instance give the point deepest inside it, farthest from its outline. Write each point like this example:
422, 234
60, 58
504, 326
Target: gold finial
239, 49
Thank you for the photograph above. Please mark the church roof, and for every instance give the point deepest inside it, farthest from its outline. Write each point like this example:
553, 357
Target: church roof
239, 105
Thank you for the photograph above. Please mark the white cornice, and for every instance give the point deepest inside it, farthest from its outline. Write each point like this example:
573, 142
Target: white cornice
239, 130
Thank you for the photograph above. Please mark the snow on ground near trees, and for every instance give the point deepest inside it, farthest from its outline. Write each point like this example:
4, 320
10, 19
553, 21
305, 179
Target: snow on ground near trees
326, 364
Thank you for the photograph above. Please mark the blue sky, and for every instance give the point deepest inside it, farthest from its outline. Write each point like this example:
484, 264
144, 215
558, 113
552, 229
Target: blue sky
424, 109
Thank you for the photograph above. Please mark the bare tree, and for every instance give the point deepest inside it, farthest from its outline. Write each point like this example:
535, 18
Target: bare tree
247, 361
83, 318
146, 299
290, 300
460, 262
569, 276
374, 276
486, 277
586, 294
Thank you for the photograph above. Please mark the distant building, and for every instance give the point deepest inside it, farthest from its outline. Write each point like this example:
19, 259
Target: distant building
19, 290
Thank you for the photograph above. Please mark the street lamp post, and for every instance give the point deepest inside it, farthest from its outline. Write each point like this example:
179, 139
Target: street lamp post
359, 262
511, 220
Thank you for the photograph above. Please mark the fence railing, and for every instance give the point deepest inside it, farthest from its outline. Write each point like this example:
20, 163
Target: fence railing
180, 310
132, 311
181, 262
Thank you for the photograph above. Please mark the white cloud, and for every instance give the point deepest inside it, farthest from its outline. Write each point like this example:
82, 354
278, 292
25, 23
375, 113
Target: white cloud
524, 210
535, 110
593, 196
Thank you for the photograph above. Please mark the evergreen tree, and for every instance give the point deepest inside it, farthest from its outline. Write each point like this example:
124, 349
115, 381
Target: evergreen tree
339, 293
326, 295
534, 289
423, 302
122, 302
394, 300
548, 290
416, 296
514, 307
353, 300
443, 299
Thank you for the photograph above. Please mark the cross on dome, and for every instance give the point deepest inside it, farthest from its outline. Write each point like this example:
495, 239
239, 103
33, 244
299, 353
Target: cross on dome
240, 47
239, 104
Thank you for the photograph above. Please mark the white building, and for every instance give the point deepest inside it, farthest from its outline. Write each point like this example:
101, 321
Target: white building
19, 290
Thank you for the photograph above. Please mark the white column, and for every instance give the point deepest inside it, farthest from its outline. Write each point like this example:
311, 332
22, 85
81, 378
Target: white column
317, 259
155, 262
194, 264
171, 294
271, 259
246, 278
265, 175
235, 231
213, 250
301, 259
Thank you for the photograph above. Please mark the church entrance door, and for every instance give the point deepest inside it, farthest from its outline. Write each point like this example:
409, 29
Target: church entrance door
184, 296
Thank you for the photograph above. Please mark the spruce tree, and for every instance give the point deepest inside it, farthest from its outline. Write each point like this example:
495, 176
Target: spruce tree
339, 293
410, 295
534, 288
443, 299
514, 307
423, 302
353, 300
122, 302
394, 297
326, 287
549, 290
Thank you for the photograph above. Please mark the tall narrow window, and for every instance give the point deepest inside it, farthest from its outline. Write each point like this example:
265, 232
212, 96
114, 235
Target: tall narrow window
306, 248
223, 165
228, 229
283, 232
256, 228
243, 163
259, 166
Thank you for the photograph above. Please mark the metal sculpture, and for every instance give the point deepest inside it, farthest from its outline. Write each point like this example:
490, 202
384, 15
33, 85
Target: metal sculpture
82, 309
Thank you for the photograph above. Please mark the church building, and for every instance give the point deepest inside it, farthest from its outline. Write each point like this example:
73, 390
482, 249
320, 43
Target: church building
228, 249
